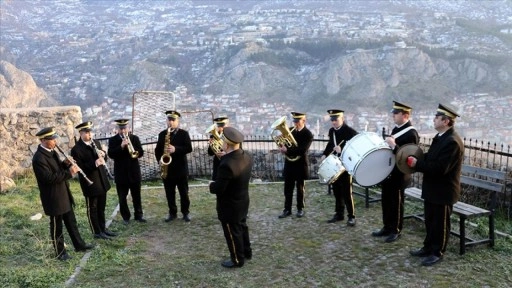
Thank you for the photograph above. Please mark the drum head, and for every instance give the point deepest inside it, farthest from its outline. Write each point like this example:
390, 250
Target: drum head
404, 152
374, 167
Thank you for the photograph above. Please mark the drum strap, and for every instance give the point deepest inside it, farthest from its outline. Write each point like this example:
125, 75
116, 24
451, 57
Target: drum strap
403, 132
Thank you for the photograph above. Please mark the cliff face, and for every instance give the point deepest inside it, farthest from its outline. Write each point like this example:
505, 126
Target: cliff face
18, 89
358, 77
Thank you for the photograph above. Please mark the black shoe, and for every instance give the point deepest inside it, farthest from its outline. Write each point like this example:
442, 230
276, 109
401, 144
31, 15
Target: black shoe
248, 255
351, 222
64, 256
85, 248
431, 260
126, 222
392, 238
186, 218
300, 213
419, 252
230, 264
110, 233
285, 214
102, 236
335, 219
141, 220
170, 218
380, 233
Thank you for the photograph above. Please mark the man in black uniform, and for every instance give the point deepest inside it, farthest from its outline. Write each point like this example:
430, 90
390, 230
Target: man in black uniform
394, 185
220, 123
339, 134
125, 149
52, 176
441, 167
296, 165
91, 159
175, 143
232, 190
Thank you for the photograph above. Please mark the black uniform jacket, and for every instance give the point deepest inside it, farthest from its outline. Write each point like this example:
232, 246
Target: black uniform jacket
441, 167
126, 168
85, 157
52, 176
345, 133
180, 139
409, 137
299, 168
232, 186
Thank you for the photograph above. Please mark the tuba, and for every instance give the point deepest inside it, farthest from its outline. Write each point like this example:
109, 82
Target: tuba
166, 158
285, 138
133, 153
216, 143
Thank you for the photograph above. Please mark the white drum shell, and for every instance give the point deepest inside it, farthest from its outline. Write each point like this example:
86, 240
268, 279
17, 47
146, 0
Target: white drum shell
330, 169
368, 158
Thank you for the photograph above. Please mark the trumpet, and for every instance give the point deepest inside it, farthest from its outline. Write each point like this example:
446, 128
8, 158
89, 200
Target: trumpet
73, 162
285, 138
98, 152
166, 158
216, 142
133, 153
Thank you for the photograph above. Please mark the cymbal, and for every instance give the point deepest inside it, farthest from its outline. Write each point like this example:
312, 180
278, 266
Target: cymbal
404, 152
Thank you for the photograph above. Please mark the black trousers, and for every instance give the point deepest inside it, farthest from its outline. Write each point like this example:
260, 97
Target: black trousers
96, 212
437, 224
56, 232
122, 194
392, 203
289, 185
237, 238
170, 185
342, 190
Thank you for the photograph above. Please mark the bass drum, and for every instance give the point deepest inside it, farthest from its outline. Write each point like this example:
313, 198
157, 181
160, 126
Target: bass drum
368, 158
330, 169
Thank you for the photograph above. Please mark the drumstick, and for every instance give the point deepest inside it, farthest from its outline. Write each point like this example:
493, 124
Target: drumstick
384, 135
336, 146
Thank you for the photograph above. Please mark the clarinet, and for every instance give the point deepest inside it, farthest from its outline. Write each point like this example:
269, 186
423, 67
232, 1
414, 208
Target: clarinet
98, 153
73, 162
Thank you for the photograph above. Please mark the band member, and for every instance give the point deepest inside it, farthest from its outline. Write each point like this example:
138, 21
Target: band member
339, 134
441, 167
394, 185
174, 143
232, 189
52, 176
296, 165
220, 123
125, 149
89, 156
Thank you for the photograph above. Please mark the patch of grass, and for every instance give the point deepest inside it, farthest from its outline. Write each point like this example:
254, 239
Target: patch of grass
299, 252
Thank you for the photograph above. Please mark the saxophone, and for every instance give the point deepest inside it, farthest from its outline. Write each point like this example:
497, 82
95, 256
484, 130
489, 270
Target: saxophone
166, 158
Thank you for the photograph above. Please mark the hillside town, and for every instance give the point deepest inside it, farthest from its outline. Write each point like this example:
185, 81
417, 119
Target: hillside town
61, 44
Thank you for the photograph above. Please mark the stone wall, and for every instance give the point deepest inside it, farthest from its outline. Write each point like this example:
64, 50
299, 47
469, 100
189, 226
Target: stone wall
18, 128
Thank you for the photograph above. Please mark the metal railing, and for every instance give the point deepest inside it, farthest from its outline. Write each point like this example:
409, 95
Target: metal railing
269, 163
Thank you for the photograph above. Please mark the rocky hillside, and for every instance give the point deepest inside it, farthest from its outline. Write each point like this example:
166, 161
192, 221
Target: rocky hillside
18, 89
350, 78
358, 77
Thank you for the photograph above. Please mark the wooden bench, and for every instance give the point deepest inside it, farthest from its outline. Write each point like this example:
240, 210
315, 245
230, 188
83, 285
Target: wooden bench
491, 180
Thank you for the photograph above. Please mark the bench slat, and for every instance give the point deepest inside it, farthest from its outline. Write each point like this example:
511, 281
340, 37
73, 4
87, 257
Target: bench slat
489, 173
480, 183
